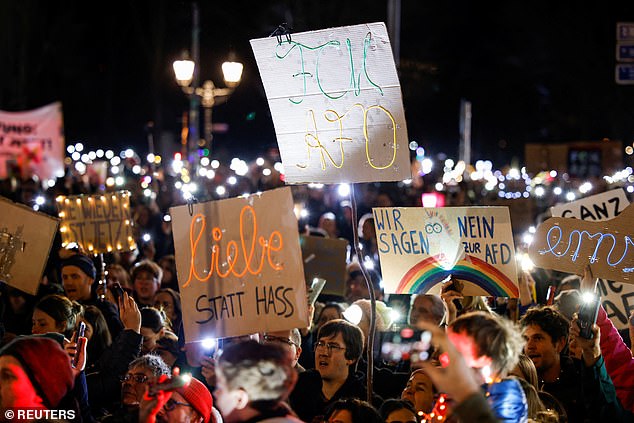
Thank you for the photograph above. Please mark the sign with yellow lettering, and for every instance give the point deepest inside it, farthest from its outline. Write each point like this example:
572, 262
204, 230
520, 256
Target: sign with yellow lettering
26, 237
239, 266
420, 248
569, 245
336, 104
97, 223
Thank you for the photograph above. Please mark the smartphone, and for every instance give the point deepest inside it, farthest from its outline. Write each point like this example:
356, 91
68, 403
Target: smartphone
408, 344
170, 384
587, 315
117, 292
81, 330
457, 286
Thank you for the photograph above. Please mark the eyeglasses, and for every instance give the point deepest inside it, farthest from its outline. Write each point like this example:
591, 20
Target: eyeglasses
137, 377
271, 338
171, 404
329, 346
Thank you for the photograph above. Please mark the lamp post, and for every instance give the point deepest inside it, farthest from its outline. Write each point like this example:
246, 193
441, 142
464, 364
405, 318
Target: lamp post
187, 76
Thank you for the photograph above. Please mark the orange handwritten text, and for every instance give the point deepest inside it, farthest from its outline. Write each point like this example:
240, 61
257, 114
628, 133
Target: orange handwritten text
240, 257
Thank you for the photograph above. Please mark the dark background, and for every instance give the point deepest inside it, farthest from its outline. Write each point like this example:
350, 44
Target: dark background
540, 71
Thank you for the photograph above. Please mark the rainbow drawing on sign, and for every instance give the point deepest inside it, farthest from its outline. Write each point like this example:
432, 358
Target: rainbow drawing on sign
430, 272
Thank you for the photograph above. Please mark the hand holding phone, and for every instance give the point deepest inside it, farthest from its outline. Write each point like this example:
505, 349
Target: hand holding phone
587, 315
80, 339
170, 384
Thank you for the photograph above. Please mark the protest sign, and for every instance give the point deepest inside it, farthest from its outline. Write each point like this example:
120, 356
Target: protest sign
239, 266
32, 141
617, 298
336, 104
325, 258
26, 238
421, 247
569, 245
618, 301
595, 208
99, 223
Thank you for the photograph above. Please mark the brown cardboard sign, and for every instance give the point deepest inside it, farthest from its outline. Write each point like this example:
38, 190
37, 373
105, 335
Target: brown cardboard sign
569, 245
325, 258
239, 266
99, 223
26, 237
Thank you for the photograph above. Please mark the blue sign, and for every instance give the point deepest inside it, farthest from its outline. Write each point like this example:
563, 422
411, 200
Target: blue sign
625, 52
625, 74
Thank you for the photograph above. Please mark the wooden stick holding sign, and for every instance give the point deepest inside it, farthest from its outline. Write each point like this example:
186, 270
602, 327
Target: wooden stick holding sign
569, 245
239, 266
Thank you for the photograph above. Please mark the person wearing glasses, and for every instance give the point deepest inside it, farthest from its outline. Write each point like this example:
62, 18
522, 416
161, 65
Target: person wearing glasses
141, 373
337, 351
291, 341
188, 404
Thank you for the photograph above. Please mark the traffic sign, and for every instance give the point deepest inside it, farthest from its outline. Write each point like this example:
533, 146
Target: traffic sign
624, 74
625, 52
625, 31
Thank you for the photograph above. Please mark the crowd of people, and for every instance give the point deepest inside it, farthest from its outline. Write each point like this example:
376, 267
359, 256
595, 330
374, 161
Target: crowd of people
476, 359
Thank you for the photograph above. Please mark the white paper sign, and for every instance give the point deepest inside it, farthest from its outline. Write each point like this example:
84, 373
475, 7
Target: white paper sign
596, 207
336, 104
421, 247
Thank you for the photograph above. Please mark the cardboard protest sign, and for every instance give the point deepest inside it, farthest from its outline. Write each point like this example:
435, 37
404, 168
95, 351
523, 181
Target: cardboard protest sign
239, 266
569, 245
336, 104
421, 247
33, 140
99, 223
595, 208
618, 301
26, 238
325, 258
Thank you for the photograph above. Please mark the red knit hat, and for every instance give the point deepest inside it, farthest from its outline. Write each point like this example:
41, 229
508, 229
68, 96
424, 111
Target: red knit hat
199, 397
46, 364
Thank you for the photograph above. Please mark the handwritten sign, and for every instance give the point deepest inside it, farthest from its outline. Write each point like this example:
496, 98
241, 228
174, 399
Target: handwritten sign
26, 238
421, 247
568, 245
336, 104
595, 208
33, 141
239, 266
325, 258
98, 223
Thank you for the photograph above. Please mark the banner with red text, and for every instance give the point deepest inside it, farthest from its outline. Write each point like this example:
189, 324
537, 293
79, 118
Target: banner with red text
239, 266
33, 142
336, 104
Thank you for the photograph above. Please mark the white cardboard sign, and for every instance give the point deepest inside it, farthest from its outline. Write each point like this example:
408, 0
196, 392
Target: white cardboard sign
336, 104
595, 208
421, 247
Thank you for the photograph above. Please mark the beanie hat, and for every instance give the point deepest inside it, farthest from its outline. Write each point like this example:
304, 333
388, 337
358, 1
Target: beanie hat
199, 397
83, 262
46, 364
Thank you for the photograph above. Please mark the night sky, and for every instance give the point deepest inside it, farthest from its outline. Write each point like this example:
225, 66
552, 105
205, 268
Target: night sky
534, 72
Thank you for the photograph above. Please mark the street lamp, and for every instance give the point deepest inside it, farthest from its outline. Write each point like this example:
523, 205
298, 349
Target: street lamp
208, 95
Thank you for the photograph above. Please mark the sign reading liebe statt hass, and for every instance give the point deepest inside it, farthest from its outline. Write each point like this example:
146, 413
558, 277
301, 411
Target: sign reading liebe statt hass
336, 104
421, 247
239, 266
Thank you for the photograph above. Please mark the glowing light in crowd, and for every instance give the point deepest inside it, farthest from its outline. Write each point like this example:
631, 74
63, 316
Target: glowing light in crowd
343, 190
79, 147
266, 172
259, 161
209, 343
147, 237
353, 314
570, 196
220, 190
557, 191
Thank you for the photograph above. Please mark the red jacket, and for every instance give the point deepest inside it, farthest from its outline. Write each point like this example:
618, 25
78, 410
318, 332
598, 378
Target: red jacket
618, 360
